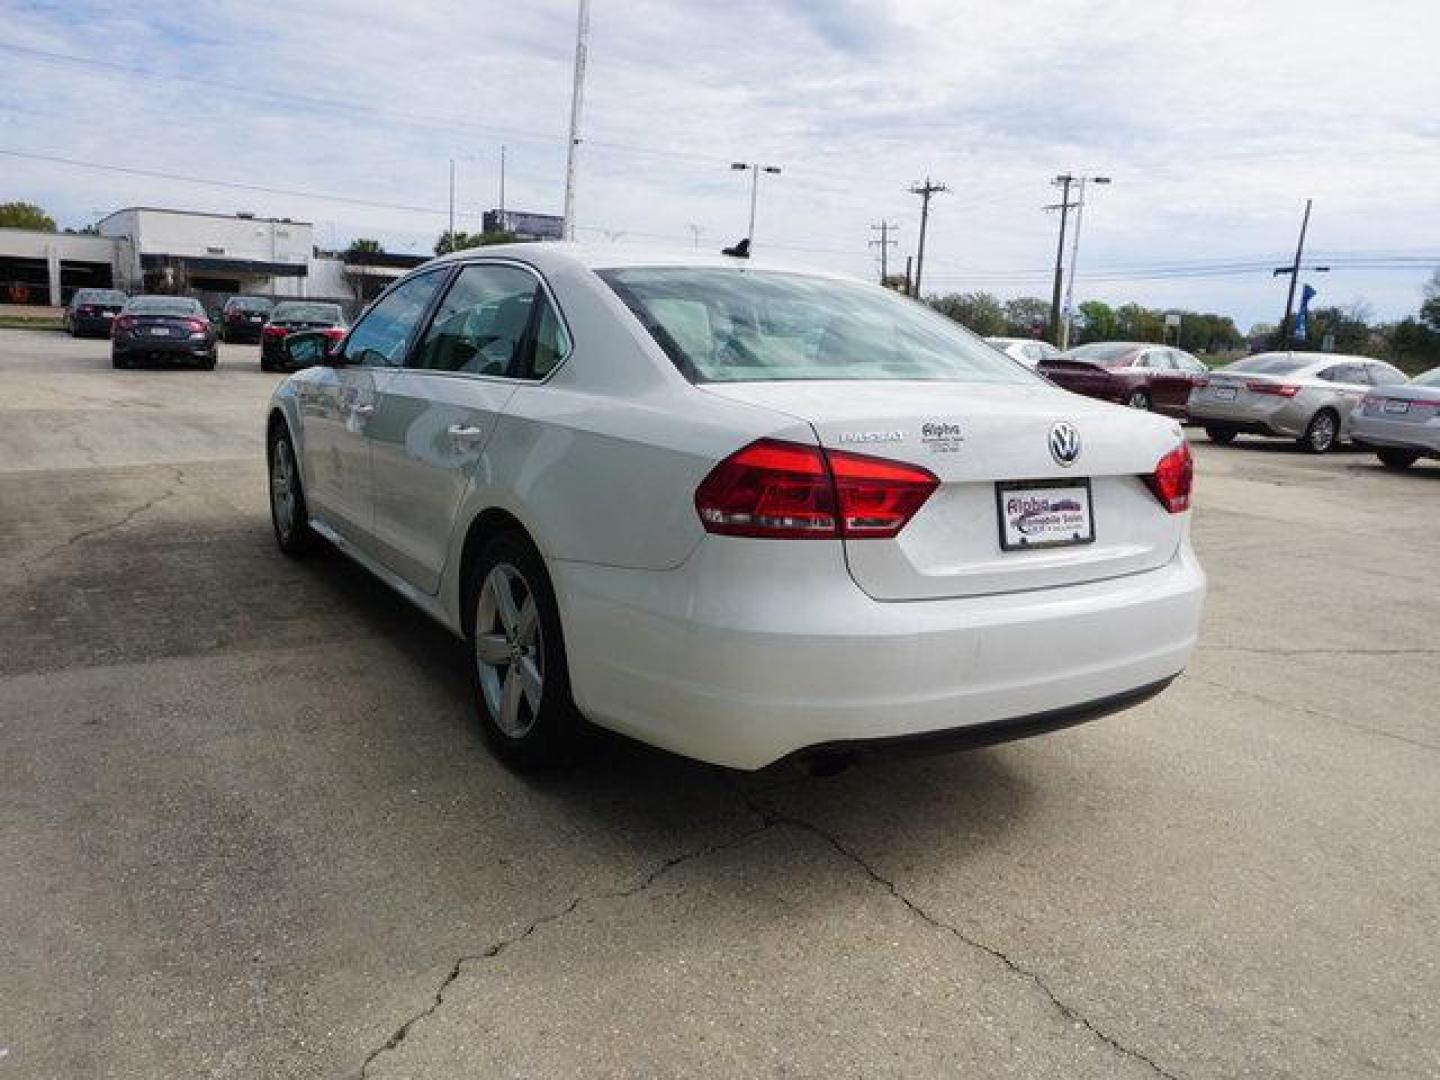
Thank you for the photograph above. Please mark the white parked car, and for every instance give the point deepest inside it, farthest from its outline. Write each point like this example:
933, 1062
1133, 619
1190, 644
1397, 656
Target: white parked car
734, 511
1299, 395
1029, 351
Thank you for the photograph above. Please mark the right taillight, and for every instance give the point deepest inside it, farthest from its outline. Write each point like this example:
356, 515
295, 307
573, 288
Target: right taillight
124, 322
1275, 389
1172, 479
782, 490
273, 332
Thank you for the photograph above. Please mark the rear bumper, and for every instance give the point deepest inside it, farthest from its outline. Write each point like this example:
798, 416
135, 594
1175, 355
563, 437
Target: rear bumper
91, 327
1282, 418
1401, 435
243, 332
750, 652
165, 349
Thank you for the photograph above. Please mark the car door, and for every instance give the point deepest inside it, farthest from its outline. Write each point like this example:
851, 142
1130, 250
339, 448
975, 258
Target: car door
338, 403
1169, 383
495, 328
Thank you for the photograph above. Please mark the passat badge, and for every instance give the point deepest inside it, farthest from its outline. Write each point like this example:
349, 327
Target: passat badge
871, 436
1064, 443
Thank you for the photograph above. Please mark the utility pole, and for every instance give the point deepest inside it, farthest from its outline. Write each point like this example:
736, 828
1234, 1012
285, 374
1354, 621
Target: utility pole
885, 228
452, 203
909, 260
1294, 271
1069, 307
695, 231
925, 191
1064, 206
582, 49
502, 183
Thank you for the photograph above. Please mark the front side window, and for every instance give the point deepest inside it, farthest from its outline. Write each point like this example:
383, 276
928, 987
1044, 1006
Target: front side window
383, 335
494, 320
740, 325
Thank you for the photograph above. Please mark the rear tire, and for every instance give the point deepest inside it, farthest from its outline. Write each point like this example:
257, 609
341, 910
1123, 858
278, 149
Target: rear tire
518, 670
1399, 460
1220, 434
1322, 433
289, 515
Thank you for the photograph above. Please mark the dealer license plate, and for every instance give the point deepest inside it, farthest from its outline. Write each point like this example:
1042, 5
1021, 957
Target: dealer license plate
160, 331
1224, 393
1044, 514
1394, 406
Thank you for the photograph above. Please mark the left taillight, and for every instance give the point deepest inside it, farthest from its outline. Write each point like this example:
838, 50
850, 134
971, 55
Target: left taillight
782, 490
273, 332
1173, 478
197, 326
334, 333
124, 322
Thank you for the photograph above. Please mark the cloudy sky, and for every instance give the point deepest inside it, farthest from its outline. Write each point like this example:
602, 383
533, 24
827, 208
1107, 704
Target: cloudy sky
1215, 118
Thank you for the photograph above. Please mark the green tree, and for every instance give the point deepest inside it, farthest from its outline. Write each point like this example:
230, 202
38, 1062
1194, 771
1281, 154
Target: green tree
1097, 322
1026, 316
1430, 309
362, 246
462, 240
1351, 332
24, 215
981, 312
1133, 322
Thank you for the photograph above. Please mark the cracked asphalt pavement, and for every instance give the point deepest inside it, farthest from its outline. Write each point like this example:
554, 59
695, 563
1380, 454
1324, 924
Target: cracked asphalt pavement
249, 829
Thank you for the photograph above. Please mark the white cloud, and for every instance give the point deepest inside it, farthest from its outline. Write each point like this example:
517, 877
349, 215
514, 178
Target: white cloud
1215, 117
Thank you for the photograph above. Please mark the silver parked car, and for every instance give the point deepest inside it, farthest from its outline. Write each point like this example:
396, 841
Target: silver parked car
1401, 421
1029, 351
1305, 396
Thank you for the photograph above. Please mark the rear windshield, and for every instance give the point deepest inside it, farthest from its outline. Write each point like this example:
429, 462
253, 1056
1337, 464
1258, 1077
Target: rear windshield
307, 312
741, 325
164, 305
1102, 352
1429, 378
1266, 364
99, 296
248, 303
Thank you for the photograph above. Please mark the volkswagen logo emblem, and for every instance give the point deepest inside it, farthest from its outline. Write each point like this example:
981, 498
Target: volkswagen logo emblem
1064, 443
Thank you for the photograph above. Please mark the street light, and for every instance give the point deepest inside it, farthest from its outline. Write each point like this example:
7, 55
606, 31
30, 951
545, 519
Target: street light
1069, 319
755, 170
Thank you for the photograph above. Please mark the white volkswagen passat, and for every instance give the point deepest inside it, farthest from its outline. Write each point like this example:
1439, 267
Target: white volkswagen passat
736, 511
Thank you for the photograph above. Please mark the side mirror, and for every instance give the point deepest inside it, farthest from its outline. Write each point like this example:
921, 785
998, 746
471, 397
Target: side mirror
308, 348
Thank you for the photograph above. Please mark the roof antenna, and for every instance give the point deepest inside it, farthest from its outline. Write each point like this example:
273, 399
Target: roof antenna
739, 251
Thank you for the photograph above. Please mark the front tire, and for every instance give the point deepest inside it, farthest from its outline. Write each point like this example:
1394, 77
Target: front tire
518, 669
1322, 433
288, 513
1222, 435
1399, 460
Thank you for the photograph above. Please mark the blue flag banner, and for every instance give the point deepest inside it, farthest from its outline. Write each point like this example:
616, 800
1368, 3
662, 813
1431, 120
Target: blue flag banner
1302, 320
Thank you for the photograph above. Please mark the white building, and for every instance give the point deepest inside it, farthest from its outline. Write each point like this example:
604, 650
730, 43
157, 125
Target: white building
146, 249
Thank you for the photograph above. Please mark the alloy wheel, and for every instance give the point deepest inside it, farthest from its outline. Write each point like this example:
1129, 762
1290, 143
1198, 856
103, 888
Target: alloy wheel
282, 487
1322, 432
509, 650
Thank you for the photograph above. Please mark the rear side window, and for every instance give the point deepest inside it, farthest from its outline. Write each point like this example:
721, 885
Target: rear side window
383, 335
1353, 374
494, 320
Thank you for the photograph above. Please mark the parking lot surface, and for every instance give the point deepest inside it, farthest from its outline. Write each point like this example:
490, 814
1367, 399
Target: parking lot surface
250, 830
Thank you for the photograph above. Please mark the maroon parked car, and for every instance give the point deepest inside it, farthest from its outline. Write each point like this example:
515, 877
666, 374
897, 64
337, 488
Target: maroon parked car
1134, 373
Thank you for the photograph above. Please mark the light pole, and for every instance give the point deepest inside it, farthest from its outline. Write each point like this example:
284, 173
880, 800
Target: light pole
755, 170
577, 97
1069, 319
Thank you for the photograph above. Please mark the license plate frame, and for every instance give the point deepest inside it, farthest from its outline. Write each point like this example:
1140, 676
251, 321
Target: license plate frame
1226, 393
1396, 406
1008, 517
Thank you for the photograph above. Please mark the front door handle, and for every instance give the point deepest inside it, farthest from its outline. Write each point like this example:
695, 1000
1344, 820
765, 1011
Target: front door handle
365, 411
463, 432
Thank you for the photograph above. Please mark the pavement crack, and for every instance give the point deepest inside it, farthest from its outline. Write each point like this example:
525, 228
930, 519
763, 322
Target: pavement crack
495, 948
118, 523
1068, 1011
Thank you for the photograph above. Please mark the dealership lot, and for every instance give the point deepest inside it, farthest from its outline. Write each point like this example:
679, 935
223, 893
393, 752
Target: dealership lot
251, 831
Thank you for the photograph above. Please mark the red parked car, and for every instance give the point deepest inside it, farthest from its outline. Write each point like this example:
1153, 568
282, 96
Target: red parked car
1134, 373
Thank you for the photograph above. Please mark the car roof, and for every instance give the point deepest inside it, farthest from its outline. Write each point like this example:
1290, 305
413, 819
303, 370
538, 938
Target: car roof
555, 254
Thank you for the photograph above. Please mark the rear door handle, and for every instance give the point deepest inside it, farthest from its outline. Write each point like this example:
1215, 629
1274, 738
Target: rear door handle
461, 431
365, 411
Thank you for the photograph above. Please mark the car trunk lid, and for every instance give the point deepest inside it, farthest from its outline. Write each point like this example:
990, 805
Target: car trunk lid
976, 439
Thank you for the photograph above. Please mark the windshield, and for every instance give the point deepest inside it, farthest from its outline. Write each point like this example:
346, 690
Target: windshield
734, 325
1102, 352
164, 305
99, 296
307, 312
1268, 364
248, 303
